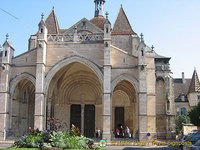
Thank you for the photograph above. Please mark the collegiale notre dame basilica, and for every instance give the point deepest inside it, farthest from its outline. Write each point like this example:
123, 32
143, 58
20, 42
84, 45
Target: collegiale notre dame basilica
94, 75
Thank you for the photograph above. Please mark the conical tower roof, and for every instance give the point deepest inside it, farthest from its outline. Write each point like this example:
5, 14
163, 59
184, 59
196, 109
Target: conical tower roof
51, 23
195, 84
122, 25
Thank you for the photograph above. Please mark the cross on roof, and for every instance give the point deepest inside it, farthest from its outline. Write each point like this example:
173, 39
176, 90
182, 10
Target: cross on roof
141, 36
7, 36
152, 47
107, 15
42, 16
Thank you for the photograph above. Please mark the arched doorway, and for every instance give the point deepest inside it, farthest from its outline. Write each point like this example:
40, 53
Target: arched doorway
22, 107
74, 94
124, 107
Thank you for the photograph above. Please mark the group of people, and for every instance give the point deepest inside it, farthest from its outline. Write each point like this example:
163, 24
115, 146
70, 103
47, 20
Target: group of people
121, 133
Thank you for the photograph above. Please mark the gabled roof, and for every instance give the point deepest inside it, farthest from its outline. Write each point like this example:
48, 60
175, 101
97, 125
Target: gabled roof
180, 87
194, 85
122, 25
88, 26
8, 43
52, 23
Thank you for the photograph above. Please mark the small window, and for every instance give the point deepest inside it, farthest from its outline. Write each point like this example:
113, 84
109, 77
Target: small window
5, 53
142, 53
183, 111
106, 44
83, 23
106, 29
198, 97
41, 30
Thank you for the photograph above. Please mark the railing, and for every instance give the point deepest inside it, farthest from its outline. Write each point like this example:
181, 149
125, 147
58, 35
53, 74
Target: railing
74, 38
162, 68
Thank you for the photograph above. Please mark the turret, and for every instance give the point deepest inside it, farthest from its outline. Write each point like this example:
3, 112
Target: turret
42, 32
99, 7
8, 52
107, 28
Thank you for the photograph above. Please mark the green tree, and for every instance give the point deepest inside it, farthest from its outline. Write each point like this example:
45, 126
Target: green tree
194, 115
180, 121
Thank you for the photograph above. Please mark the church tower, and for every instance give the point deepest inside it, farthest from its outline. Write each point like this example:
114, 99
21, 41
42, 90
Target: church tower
99, 7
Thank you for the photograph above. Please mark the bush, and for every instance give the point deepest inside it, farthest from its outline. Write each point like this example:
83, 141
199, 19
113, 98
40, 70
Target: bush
194, 115
54, 139
180, 121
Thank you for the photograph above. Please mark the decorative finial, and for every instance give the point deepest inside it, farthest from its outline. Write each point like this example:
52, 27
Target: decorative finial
141, 35
107, 15
7, 36
194, 68
53, 8
152, 47
121, 5
42, 16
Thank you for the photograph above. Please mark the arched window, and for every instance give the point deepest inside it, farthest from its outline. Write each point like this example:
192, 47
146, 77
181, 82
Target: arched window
183, 111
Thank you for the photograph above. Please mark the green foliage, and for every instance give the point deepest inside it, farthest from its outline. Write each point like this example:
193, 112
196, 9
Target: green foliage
194, 115
57, 139
76, 131
180, 121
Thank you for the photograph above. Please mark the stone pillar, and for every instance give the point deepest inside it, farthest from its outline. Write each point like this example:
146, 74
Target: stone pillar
68, 117
82, 118
4, 101
7, 55
40, 107
151, 95
143, 121
49, 103
107, 101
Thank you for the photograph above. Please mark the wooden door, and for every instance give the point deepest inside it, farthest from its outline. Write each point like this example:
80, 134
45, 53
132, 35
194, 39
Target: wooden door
89, 121
75, 116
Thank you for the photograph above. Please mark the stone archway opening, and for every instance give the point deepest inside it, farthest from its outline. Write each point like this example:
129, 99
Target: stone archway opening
22, 108
73, 91
124, 107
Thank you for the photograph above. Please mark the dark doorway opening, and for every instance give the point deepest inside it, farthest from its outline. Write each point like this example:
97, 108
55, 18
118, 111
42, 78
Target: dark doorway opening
89, 121
119, 117
75, 116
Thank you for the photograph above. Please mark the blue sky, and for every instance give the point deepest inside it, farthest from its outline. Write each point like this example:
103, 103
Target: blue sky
172, 26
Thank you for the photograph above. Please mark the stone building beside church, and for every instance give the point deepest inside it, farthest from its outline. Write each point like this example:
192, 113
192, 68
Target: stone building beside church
93, 74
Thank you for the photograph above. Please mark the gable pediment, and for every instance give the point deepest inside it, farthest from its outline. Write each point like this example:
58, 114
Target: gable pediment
84, 26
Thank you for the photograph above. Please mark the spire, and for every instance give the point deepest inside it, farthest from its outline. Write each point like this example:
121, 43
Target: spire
122, 25
99, 7
52, 23
7, 42
195, 84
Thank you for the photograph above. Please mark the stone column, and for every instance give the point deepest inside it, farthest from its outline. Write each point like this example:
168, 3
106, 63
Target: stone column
4, 101
82, 118
143, 121
107, 101
40, 107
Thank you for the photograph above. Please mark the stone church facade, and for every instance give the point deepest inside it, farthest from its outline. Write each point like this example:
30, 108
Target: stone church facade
94, 75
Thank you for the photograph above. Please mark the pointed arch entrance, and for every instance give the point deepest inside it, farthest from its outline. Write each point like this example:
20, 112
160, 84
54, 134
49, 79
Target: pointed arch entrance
22, 107
74, 92
125, 107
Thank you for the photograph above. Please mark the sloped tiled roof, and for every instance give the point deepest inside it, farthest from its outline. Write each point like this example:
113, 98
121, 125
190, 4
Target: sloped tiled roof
180, 87
52, 23
122, 25
98, 21
194, 85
